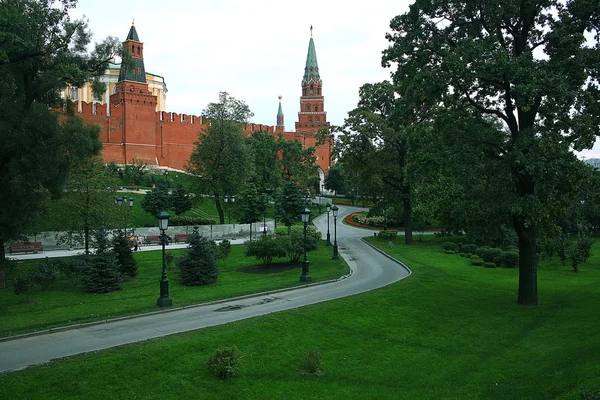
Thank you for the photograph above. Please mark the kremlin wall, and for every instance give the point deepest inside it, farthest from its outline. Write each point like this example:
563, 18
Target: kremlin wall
133, 126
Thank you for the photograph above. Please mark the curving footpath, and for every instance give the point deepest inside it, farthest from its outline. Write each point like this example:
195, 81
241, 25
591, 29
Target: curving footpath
370, 270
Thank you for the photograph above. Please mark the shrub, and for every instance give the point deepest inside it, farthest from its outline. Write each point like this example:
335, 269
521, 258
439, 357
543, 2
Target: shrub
477, 263
225, 363
311, 362
449, 251
188, 220
294, 242
21, 285
122, 249
489, 253
387, 235
480, 250
104, 275
46, 273
450, 246
76, 268
468, 255
364, 219
461, 254
223, 249
510, 258
468, 247
497, 260
198, 266
266, 248
489, 264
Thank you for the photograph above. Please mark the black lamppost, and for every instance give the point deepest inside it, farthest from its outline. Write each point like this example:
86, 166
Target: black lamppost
129, 201
164, 300
334, 209
305, 277
328, 208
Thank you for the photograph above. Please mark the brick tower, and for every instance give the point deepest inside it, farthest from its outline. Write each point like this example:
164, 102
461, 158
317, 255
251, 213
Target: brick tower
312, 115
137, 105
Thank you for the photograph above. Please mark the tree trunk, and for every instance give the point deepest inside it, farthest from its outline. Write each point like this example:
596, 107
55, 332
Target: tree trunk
528, 294
2, 265
408, 232
86, 239
219, 209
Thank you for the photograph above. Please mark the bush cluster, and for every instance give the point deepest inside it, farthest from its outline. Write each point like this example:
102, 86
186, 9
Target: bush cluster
290, 245
188, 220
387, 234
363, 219
225, 363
485, 255
450, 246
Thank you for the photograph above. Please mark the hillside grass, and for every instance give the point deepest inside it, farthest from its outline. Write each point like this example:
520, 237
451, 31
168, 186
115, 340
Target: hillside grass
449, 331
66, 304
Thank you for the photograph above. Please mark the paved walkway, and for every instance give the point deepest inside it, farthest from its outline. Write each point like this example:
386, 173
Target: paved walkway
370, 270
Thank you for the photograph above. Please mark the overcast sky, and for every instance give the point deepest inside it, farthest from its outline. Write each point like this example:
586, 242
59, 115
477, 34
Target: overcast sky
255, 49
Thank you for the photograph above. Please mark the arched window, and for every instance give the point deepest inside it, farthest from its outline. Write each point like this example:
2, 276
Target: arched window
316, 108
308, 107
312, 89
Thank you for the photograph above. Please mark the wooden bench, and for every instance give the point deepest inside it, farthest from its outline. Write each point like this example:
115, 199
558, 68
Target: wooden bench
30, 247
181, 237
153, 240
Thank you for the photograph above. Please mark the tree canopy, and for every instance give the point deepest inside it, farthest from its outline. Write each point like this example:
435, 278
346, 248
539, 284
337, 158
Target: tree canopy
527, 65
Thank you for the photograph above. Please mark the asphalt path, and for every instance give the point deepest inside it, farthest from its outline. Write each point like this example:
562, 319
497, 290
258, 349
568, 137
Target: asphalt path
370, 270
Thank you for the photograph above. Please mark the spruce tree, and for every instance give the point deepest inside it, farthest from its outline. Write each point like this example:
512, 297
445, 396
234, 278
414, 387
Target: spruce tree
198, 265
124, 255
104, 275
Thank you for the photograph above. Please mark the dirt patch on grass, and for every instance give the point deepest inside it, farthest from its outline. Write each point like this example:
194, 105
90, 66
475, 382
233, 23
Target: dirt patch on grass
272, 269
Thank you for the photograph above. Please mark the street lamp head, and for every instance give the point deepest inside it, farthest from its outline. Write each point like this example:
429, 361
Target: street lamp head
328, 207
118, 200
226, 198
233, 199
131, 199
163, 220
335, 210
305, 214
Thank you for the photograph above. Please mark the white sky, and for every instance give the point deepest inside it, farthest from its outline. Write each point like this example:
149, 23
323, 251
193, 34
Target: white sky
255, 49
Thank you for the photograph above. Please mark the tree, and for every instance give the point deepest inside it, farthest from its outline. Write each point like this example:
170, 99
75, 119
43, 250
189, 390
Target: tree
88, 201
335, 180
250, 206
526, 64
266, 248
220, 158
180, 201
42, 50
198, 266
122, 249
156, 201
298, 164
104, 275
289, 204
266, 169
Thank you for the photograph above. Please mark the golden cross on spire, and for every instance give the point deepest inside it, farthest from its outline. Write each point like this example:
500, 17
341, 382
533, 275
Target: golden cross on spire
132, 21
280, 97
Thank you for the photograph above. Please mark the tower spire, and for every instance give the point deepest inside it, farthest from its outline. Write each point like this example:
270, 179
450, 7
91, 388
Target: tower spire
280, 124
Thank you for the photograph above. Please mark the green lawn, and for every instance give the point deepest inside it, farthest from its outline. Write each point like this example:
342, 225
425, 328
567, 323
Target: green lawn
449, 331
65, 304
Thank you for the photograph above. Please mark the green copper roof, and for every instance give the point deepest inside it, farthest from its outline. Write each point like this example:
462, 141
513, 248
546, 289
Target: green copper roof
137, 73
132, 35
311, 71
279, 112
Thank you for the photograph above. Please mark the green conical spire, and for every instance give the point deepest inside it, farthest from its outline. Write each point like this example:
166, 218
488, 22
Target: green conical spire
280, 114
132, 35
311, 71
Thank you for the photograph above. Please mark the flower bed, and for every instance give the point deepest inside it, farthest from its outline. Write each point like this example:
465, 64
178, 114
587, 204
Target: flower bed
348, 220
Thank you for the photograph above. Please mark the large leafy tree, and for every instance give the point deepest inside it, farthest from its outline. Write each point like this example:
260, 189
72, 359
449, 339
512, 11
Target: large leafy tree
221, 158
251, 206
264, 156
375, 144
41, 51
298, 164
88, 200
156, 201
529, 65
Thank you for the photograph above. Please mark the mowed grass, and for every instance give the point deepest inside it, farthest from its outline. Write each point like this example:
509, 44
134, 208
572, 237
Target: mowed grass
66, 304
449, 331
